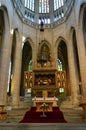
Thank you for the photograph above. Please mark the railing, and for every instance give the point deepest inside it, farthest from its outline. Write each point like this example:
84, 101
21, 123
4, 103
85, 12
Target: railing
24, 102
22, 98
62, 12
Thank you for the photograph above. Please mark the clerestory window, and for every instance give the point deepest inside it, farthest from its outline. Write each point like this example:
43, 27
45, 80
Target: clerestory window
29, 4
43, 6
58, 4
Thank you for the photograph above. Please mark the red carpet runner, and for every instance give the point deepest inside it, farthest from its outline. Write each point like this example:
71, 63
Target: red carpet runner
55, 116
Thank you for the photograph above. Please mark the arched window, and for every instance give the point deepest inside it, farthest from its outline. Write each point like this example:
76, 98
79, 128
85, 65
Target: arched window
29, 4
43, 6
58, 4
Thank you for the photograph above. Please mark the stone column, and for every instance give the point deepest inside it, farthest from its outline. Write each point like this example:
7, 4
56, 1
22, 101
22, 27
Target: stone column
55, 55
35, 48
15, 88
72, 75
4, 64
82, 57
4, 68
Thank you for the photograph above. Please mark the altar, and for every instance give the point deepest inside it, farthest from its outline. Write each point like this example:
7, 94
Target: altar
48, 102
45, 81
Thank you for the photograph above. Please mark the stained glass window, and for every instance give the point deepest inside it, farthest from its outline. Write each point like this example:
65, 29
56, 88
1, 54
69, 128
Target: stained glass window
58, 4
30, 66
59, 65
43, 6
29, 4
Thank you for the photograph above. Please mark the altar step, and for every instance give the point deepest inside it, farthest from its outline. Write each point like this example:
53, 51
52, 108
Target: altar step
71, 115
74, 117
43, 126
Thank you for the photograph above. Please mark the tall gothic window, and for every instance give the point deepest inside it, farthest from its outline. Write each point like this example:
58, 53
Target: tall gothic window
43, 6
58, 4
29, 4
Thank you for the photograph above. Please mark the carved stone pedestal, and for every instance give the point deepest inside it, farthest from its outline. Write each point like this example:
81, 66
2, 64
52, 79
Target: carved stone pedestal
3, 113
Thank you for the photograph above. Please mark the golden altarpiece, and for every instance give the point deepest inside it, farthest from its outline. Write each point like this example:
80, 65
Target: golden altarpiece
44, 80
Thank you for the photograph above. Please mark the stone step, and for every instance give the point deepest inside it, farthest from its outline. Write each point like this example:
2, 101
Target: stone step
71, 115
43, 126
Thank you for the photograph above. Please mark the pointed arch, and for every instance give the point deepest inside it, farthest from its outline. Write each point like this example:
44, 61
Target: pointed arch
30, 41
59, 39
27, 60
4, 23
5, 44
14, 51
82, 23
44, 42
44, 52
62, 61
